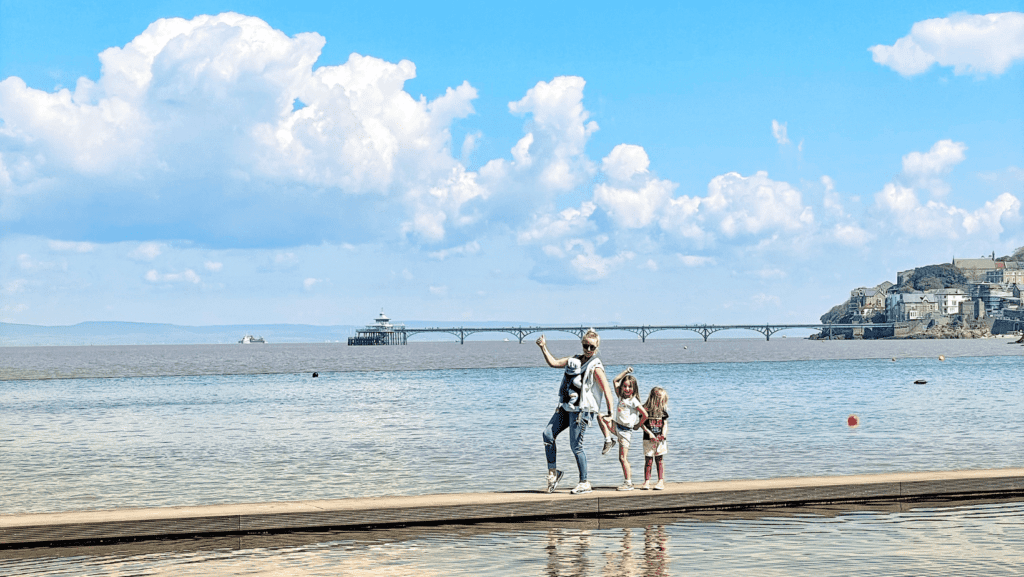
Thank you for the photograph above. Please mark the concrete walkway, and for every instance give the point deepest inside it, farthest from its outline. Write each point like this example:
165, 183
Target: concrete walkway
38, 529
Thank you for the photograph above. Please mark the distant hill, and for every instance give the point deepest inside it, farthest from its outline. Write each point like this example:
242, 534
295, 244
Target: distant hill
127, 333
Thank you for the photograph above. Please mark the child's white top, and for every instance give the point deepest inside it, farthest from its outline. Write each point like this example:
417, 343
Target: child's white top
627, 414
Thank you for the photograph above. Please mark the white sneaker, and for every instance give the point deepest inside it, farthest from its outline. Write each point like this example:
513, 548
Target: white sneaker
583, 487
553, 479
660, 486
627, 486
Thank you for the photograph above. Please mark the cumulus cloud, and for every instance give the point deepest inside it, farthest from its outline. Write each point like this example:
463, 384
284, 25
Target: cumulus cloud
938, 220
551, 154
634, 199
192, 112
753, 204
779, 132
571, 221
970, 43
309, 282
925, 169
188, 276
213, 266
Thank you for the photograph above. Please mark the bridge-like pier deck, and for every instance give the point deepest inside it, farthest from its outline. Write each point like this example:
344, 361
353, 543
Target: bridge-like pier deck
92, 527
643, 331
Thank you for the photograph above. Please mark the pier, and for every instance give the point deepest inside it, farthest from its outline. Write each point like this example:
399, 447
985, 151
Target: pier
111, 526
385, 333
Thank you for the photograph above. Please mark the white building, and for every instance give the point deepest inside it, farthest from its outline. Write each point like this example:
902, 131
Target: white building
949, 300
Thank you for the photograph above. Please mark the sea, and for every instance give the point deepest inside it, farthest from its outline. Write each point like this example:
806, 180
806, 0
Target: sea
103, 427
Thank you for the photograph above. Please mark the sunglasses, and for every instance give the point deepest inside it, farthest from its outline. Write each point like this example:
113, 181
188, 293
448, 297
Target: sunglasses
590, 347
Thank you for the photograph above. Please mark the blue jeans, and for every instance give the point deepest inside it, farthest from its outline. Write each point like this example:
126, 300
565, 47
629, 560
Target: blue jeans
577, 423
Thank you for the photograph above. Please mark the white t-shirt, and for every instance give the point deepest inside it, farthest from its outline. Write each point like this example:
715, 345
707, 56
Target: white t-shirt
627, 413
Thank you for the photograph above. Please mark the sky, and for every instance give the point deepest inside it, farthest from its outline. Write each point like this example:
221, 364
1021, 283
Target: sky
210, 162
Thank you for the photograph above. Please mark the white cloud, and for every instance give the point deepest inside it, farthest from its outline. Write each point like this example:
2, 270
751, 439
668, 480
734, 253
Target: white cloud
146, 251
693, 260
470, 248
443, 203
650, 265
309, 282
558, 130
213, 266
851, 235
639, 199
970, 43
939, 220
831, 201
187, 276
779, 132
66, 246
189, 107
924, 169
438, 291
571, 221
635, 208
625, 161
590, 266
751, 205
770, 273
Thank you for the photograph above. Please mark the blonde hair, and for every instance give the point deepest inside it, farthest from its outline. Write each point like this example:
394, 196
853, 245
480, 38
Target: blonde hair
657, 402
632, 381
592, 334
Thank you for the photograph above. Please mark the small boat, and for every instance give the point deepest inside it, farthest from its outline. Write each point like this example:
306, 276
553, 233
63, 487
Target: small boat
920, 382
249, 339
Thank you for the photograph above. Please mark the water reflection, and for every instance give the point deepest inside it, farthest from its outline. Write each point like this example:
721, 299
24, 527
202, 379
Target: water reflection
936, 538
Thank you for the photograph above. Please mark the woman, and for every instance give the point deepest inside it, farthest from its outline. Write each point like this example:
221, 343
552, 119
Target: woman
594, 391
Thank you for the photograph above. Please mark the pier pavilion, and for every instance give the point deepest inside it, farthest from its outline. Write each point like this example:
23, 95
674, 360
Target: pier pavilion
381, 332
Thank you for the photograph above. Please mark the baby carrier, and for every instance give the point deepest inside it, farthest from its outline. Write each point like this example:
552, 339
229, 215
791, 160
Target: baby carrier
572, 386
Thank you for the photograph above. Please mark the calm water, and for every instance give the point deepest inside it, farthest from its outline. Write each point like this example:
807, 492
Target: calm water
976, 539
90, 443
105, 427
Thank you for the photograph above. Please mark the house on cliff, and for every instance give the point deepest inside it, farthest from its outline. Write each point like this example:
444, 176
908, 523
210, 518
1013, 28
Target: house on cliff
903, 307
976, 269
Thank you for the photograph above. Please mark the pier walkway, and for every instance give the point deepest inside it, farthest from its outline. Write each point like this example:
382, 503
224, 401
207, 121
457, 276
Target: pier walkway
97, 527
643, 331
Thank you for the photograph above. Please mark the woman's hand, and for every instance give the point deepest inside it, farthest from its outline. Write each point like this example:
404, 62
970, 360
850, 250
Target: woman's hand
629, 370
541, 341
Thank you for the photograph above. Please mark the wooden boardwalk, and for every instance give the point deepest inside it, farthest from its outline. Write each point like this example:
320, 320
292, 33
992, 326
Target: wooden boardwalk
95, 527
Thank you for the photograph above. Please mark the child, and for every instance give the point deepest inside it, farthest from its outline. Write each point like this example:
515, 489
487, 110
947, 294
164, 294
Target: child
630, 414
655, 430
572, 385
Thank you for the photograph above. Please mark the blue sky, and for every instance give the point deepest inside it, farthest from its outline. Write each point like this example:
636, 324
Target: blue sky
248, 162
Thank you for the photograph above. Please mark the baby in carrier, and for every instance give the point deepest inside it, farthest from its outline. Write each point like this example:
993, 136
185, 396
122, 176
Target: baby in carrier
572, 386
